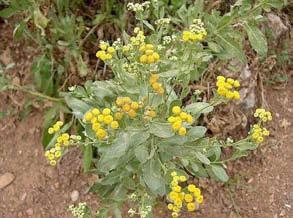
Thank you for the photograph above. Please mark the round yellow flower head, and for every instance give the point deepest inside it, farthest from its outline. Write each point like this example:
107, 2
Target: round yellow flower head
182, 131
88, 116
191, 207
176, 110
114, 125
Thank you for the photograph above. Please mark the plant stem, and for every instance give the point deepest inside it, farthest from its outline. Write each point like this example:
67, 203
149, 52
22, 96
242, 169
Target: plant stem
34, 93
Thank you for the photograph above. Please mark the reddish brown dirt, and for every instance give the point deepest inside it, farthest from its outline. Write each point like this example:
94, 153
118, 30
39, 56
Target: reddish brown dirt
260, 188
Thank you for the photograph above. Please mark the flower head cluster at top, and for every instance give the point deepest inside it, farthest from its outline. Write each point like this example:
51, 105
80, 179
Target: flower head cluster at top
127, 106
155, 85
101, 121
258, 132
136, 7
195, 33
106, 52
149, 56
179, 119
79, 211
62, 142
227, 87
191, 195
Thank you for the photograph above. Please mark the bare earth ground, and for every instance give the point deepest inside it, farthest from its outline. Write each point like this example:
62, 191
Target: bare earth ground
261, 184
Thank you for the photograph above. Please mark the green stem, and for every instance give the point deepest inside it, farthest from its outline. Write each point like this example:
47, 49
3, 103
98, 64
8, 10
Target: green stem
34, 93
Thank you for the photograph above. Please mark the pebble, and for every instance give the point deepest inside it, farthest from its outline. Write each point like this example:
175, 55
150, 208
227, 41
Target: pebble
30, 211
6, 179
74, 195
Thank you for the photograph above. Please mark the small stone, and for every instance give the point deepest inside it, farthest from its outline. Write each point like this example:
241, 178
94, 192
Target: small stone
23, 196
6, 179
283, 213
29, 211
74, 195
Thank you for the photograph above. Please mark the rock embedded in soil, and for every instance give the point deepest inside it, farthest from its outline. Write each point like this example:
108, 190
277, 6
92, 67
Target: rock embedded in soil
74, 195
6, 179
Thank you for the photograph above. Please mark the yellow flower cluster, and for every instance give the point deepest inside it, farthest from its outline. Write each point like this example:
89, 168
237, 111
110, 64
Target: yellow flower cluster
258, 133
149, 56
127, 106
226, 87
63, 141
106, 52
263, 115
55, 128
149, 113
155, 85
195, 33
178, 197
177, 120
100, 120
139, 38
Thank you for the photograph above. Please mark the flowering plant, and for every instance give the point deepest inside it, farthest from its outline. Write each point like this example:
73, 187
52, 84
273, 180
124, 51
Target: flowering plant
140, 130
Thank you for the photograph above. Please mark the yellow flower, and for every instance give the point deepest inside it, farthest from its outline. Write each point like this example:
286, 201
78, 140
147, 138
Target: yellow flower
154, 78
221, 78
197, 192
183, 115
101, 133
106, 111
51, 130
171, 119
189, 119
149, 46
88, 116
176, 110
191, 207
170, 206
134, 105
173, 174
176, 125
100, 118
53, 162
178, 203
96, 126
175, 215
176, 188
57, 154
56, 127
126, 107
65, 136
118, 115
143, 59
182, 178
182, 131
94, 120
119, 101
132, 113
96, 111
191, 188
150, 59
108, 119
176, 209
188, 198
59, 123
236, 84
199, 199
111, 50
114, 125
173, 195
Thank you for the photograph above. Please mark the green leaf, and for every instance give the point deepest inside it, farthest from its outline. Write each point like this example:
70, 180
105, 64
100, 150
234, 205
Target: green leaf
78, 107
199, 108
7, 12
18, 30
256, 39
202, 158
244, 145
219, 172
232, 47
145, 22
214, 47
162, 130
87, 157
141, 153
196, 132
153, 178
